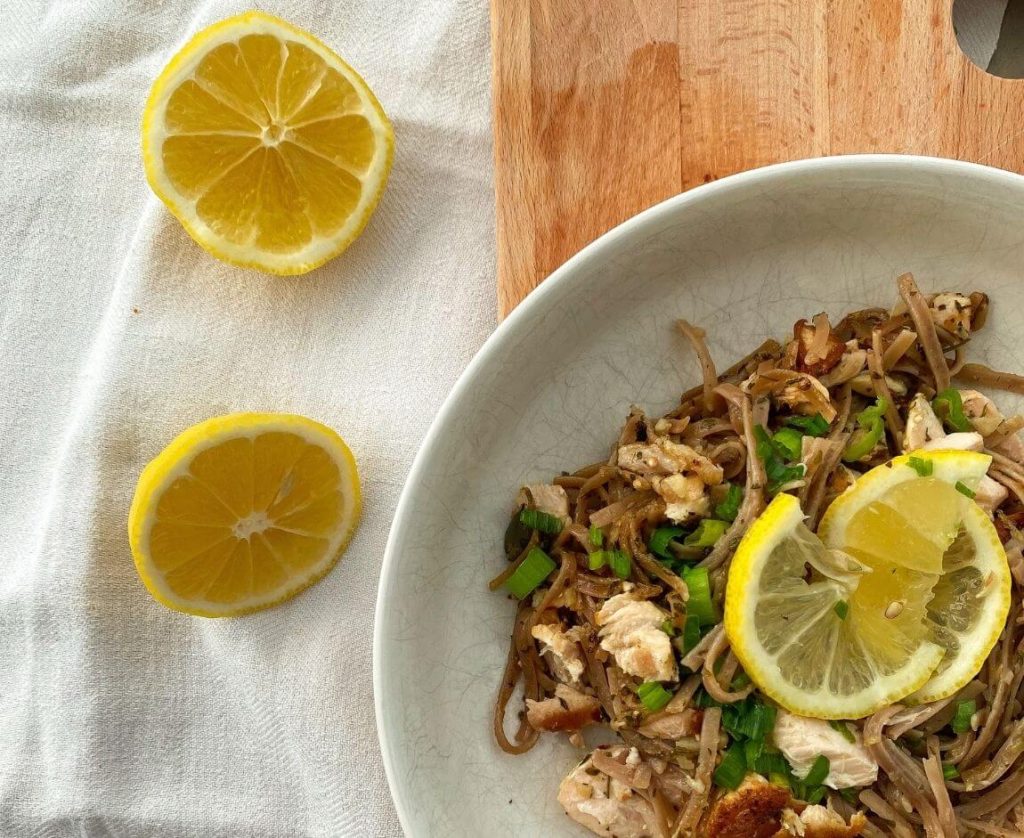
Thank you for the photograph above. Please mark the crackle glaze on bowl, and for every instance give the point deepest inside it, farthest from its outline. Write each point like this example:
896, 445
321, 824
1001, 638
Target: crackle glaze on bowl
743, 257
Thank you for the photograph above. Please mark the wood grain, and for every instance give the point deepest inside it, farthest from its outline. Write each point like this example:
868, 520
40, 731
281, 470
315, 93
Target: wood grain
602, 109
586, 97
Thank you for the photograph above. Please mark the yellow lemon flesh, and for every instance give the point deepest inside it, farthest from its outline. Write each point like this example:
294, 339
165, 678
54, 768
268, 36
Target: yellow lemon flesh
903, 591
243, 511
270, 150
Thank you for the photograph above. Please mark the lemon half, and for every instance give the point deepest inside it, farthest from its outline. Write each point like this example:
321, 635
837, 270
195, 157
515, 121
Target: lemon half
266, 145
243, 511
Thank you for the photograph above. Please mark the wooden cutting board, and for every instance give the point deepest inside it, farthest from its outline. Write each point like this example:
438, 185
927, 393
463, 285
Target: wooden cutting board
605, 107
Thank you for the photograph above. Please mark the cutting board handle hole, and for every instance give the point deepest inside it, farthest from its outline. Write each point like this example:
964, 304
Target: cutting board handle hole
991, 34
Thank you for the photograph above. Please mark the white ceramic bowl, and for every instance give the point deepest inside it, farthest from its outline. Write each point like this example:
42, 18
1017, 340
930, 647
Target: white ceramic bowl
744, 257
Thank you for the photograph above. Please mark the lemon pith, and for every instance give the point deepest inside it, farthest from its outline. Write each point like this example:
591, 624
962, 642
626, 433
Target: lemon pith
241, 512
269, 149
920, 574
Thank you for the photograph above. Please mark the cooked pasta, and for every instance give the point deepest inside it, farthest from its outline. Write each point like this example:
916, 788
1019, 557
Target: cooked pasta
621, 570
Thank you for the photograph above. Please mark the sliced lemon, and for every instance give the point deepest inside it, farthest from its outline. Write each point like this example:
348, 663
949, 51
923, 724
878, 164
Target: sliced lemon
241, 512
269, 149
918, 520
809, 624
932, 527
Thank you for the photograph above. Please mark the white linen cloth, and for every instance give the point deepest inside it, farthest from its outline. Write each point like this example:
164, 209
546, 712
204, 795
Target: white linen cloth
119, 717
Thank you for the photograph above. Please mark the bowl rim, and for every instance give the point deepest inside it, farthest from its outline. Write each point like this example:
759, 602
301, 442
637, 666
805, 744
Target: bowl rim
534, 304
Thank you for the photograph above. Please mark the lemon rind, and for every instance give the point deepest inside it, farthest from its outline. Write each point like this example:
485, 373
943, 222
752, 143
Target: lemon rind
321, 249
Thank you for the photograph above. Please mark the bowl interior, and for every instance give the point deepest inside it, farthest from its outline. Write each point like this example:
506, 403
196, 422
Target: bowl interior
744, 258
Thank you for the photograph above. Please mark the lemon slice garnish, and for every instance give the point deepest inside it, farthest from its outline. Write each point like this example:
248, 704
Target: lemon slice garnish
807, 628
903, 592
266, 145
243, 511
971, 595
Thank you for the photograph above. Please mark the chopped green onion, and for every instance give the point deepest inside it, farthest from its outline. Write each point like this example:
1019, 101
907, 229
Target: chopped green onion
863, 441
844, 729
699, 604
819, 771
690, 636
653, 695
743, 720
703, 700
769, 762
762, 721
922, 466
791, 439
870, 431
740, 681
729, 508
779, 477
533, 570
849, 795
774, 456
732, 769
541, 521
766, 448
869, 415
949, 406
669, 628
620, 564
964, 490
949, 772
815, 795
842, 608
965, 710
749, 719
816, 425
753, 749
596, 536
778, 778
617, 560
708, 531
660, 538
